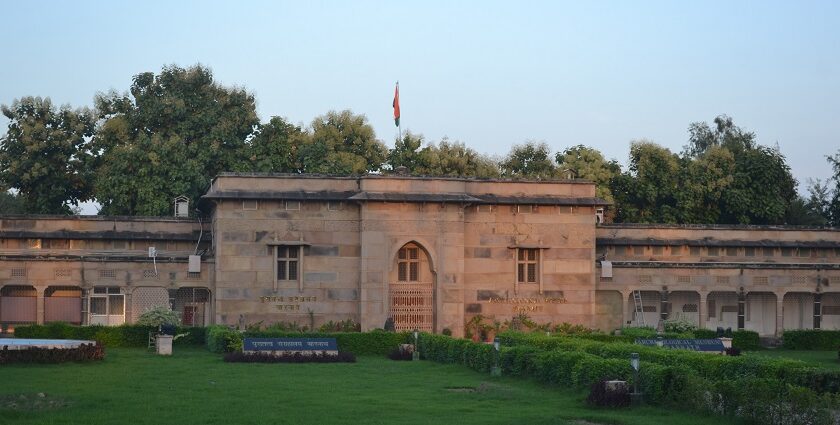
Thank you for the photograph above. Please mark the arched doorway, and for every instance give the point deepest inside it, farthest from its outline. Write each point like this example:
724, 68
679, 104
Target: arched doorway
411, 294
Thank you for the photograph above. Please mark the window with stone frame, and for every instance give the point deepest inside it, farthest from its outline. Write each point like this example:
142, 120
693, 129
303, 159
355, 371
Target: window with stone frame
527, 265
288, 262
408, 264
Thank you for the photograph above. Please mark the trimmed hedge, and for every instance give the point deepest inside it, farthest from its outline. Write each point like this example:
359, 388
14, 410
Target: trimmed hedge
738, 389
746, 340
240, 357
82, 353
814, 339
109, 336
705, 365
221, 339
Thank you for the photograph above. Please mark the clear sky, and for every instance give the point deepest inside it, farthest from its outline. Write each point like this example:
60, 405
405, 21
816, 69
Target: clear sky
490, 74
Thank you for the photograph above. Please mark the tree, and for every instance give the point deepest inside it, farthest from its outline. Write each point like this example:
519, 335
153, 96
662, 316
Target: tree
342, 143
833, 209
11, 204
530, 160
407, 153
762, 188
176, 132
588, 163
647, 192
274, 147
456, 160
44, 153
725, 134
702, 183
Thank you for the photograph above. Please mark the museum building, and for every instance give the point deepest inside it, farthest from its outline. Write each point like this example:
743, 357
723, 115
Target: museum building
428, 253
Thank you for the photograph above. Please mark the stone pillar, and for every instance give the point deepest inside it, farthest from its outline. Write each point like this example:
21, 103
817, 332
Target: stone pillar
702, 310
663, 305
780, 314
624, 310
817, 310
39, 306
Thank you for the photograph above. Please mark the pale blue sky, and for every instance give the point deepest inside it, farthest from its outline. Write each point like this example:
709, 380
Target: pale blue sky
490, 74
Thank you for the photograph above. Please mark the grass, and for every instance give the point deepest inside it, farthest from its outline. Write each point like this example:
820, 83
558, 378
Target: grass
825, 359
196, 387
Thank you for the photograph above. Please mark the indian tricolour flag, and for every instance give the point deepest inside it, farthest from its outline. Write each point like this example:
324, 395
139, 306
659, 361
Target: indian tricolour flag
397, 105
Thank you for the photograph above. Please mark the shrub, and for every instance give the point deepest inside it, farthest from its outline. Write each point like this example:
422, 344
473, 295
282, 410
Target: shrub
733, 351
704, 333
679, 325
221, 339
343, 326
109, 336
814, 339
602, 396
746, 340
323, 357
82, 353
639, 332
157, 316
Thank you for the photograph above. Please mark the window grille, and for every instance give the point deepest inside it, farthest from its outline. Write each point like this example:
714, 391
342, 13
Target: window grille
288, 261
689, 308
722, 279
108, 273
19, 272
760, 280
408, 266
527, 267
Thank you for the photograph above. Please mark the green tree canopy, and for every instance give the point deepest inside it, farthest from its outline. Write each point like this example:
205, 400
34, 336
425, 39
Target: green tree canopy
274, 147
588, 163
342, 143
44, 154
529, 160
457, 160
647, 192
170, 137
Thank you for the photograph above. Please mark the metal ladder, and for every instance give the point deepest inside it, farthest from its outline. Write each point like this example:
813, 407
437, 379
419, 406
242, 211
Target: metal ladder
639, 309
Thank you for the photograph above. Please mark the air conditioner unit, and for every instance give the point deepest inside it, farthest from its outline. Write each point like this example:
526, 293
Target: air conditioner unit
194, 264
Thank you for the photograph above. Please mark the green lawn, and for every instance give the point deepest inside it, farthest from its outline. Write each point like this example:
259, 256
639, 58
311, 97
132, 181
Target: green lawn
196, 387
826, 359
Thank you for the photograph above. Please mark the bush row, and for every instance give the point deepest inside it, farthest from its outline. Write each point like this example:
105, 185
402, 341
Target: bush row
706, 365
83, 353
814, 339
763, 400
109, 336
222, 339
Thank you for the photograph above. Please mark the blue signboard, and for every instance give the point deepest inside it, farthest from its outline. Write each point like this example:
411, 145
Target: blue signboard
685, 344
290, 344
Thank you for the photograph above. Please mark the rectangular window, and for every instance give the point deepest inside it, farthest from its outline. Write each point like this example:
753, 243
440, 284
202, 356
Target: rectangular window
335, 205
288, 262
638, 250
33, 243
712, 309
768, 251
527, 265
526, 209
805, 252
731, 251
712, 251
694, 250
788, 252
121, 244
250, 205
749, 251
657, 250
620, 250
676, 250
292, 205
408, 264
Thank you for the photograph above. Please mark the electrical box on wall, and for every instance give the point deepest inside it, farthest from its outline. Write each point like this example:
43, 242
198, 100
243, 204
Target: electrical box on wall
195, 264
152, 252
